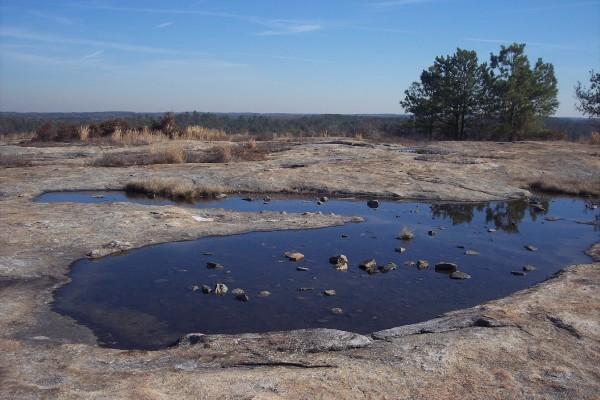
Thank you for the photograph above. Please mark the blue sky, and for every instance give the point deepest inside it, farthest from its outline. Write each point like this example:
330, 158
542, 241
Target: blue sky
311, 56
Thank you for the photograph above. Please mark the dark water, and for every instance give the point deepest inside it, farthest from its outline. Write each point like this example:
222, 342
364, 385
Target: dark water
143, 298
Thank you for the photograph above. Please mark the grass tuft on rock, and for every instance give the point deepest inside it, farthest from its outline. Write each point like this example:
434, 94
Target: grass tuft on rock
174, 189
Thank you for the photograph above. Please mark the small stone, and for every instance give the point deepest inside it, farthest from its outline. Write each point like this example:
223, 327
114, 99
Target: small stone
518, 273
344, 235
373, 203
237, 291
552, 218
323, 199
319, 202
337, 311
528, 268
242, 297
446, 267
410, 263
388, 267
266, 199
422, 264
459, 275
531, 247
221, 289
471, 253
538, 207
195, 288
264, 293
247, 199
294, 256
432, 233
491, 230
329, 292
206, 289
306, 289
369, 265
283, 213
340, 262
400, 250
213, 265
302, 269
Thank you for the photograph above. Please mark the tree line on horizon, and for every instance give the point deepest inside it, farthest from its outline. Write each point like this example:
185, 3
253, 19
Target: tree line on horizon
505, 98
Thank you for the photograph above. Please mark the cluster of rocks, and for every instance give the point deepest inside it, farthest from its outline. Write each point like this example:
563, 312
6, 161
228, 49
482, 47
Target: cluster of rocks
221, 289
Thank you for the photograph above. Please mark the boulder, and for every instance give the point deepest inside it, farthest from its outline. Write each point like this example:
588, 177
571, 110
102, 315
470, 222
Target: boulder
221, 289
460, 275
388, 267
369, 265
294, 256
373, 203
340, 262
445, 266
213, 265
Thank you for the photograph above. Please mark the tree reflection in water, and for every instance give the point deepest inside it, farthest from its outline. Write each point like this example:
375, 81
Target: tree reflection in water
506, 216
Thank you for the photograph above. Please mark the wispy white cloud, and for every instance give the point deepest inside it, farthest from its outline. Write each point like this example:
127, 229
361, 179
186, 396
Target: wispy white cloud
20, 34
275, 26
290, 29
95, 54
164, 25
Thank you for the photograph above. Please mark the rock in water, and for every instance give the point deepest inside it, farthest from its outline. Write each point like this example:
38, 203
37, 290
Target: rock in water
264, 293
213, 265
518, 273
302, 269
206, 289
369, 265
294, 256
242, 297
529, 268
337, 311
446, 267
340, 262
237, 291
432, 233
373, 203
388, 267
330, 292
400, 250
221, 289
531, 247
471, 253
323, 199
459, 275
422, 264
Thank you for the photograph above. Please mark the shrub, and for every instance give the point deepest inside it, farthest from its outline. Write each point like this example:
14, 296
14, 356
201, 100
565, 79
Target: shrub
45, 132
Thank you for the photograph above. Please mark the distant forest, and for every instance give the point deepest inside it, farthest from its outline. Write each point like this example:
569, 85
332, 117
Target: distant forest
268, 125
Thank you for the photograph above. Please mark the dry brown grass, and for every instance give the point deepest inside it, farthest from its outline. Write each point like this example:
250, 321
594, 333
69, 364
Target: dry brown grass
196, 132
13, 161
564, 186
175, 189
18, 137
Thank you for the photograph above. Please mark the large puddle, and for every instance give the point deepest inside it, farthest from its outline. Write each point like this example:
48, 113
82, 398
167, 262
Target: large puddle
145, 298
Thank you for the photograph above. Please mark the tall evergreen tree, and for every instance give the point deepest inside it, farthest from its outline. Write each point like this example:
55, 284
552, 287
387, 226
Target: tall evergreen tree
450, 91
520, 93
588, 100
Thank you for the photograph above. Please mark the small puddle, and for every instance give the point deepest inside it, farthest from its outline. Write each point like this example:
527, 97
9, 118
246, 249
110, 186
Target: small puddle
144, 298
